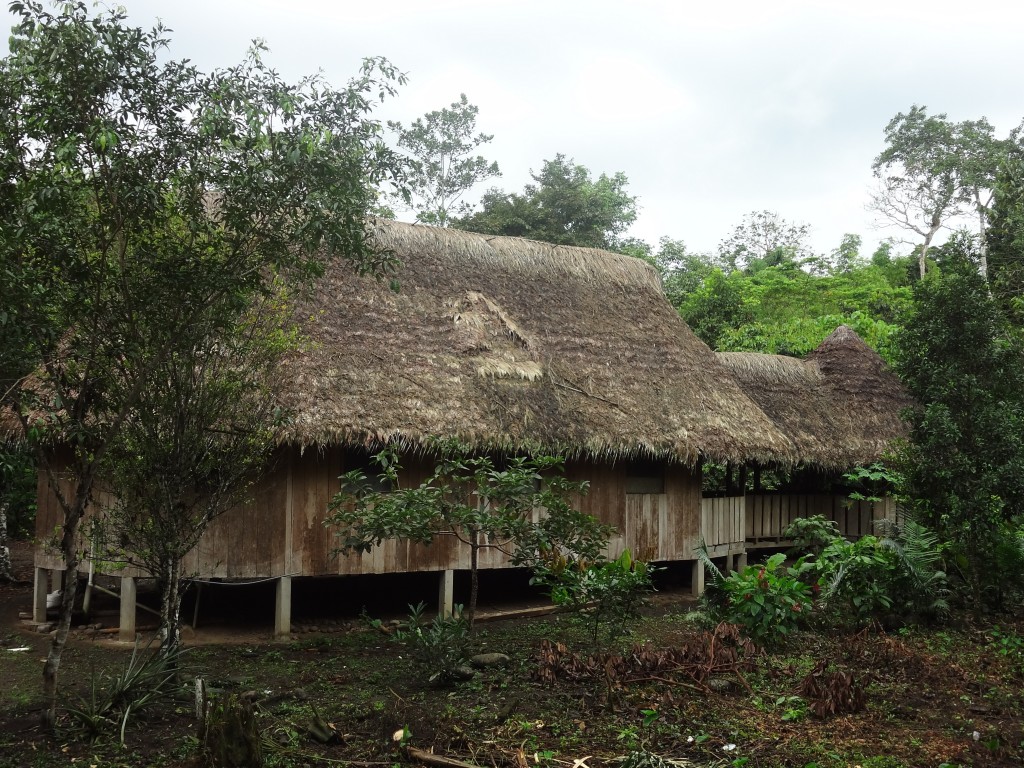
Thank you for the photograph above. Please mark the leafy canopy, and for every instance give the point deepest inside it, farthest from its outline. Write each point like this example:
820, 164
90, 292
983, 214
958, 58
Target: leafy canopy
962, 466
442, 166
564, 206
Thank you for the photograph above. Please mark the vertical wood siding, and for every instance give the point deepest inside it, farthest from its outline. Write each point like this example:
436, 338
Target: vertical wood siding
768, 515
281, 530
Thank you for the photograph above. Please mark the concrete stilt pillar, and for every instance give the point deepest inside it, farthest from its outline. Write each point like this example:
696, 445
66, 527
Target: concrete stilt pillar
741, 561
128, 597
283, 607
729, 564
41, 587
446, 594
697, 579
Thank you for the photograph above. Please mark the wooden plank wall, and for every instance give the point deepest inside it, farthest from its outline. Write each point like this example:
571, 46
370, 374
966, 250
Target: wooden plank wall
767, 515
281, 531
723, 524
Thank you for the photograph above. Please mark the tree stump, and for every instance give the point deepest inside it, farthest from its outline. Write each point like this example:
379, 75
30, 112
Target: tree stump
229, 735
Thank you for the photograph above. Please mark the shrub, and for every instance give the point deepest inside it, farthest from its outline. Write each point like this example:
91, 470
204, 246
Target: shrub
766, 601
113, 699
440, 646
608, 593
898, 573
857, 577
812, 534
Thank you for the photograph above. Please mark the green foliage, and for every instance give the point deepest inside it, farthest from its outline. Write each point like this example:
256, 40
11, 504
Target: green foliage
1006, 241
764, 239
962, 465
715, 308
920, 586
767, 602
862, 580
785, 310
871, 483
1009, 645
682, 271
857, 578
483, 504
18, 481
812, 534
564, 206
608, 593
440, 646
442, 166
200, 435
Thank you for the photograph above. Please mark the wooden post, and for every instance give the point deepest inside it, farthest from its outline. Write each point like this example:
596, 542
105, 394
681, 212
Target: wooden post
40, 586
283, 607
446, 594
697, 579
128, 594
195, 609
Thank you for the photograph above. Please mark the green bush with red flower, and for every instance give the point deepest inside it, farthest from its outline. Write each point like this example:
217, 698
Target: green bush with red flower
767, 601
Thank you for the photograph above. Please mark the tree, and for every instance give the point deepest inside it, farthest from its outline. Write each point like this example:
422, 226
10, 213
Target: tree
191, 448
142, 199
962, 466
443, 167
764, 239
564, 206
847, 256
1005, 240
933, 170
481, 504
682, 271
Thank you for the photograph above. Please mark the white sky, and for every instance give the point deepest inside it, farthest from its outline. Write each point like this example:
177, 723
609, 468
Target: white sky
711, 109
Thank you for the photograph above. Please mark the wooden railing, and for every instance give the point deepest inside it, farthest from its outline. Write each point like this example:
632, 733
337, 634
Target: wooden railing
722, 524
767, 515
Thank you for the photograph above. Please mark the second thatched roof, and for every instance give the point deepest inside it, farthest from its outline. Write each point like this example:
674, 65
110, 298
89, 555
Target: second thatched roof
841, 407
510, 344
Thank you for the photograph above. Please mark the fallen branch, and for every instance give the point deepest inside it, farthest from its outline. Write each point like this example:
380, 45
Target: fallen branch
429, 758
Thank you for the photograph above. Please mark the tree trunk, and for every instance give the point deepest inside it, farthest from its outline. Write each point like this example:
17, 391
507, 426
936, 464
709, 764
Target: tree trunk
170, 607
922, 255
48, 716
982, 241
6, 571
229, 735
474, 583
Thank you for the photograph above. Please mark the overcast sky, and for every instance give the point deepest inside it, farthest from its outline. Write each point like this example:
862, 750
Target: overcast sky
712, 110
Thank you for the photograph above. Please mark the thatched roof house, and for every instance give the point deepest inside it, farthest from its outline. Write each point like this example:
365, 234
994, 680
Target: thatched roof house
840, 407
511, 344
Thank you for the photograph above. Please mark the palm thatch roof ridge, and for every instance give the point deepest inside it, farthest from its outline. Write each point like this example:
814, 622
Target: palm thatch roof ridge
840, 407
511, 344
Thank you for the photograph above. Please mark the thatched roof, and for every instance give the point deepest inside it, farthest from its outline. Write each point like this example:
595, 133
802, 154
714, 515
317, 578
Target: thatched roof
511, 344
840, 407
